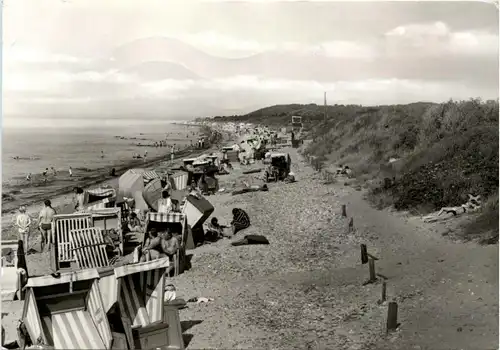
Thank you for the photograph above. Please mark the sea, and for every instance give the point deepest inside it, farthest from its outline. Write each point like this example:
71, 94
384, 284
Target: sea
32, 150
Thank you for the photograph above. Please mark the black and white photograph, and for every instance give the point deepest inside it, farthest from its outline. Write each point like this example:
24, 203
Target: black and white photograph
209, 174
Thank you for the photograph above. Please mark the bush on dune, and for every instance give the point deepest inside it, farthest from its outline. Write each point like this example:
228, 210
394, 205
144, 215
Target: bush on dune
446, 151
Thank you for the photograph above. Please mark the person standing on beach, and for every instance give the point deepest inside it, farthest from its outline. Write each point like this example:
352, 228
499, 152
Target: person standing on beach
23, 223
45, 220
145, 155
70, 172
165, 203
79, 198
172, 151
28, 177
102, 153
53, 170
45, 175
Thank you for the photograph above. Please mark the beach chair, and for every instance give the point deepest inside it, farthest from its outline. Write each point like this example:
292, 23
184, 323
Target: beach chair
107, 219
138, 291
67, 312
61, 227
177, 222
89, 247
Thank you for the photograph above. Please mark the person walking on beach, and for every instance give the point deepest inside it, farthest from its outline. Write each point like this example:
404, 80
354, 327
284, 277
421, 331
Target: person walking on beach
70, 172
23, 222
45, 220
45, 175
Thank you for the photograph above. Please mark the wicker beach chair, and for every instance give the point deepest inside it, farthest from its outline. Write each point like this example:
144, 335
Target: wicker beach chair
89, 247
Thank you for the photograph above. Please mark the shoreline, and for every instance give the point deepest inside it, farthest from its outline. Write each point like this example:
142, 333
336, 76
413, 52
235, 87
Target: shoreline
92, 178
61, 197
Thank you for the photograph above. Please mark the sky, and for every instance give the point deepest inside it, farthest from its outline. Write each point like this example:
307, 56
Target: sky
123, 59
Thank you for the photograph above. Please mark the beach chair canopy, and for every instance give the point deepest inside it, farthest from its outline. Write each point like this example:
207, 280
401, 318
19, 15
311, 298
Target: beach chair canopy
197, 210
177, 222
180, 180
131, 184
97, 194
67, 312
138, 289
152, 193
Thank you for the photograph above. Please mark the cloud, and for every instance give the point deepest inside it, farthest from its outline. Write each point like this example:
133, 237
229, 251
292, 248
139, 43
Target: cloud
369, 91
435, 39
227, 46
15, 53
58, 81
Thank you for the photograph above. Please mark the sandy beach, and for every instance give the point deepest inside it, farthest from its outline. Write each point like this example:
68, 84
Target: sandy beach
306, 289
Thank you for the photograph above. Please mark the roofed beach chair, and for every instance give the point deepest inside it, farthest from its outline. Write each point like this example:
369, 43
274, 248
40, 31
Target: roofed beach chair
67, 312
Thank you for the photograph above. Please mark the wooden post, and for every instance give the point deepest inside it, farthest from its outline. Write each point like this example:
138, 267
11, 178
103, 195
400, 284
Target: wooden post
371, 264
344, 213
392, 316
384, 291
364, 254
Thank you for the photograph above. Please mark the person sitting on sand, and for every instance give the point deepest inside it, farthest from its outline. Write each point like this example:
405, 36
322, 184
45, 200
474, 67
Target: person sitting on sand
165, 203
79, 198
241, 220
215, 231
152, 247
45, 220
23, 223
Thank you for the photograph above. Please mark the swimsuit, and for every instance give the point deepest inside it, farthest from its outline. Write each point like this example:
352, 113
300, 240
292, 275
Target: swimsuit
46, 227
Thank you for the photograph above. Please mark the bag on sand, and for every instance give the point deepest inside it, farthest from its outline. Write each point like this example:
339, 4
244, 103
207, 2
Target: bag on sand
251, 239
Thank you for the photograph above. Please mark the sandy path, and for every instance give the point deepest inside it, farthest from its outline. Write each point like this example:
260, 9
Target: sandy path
305, 289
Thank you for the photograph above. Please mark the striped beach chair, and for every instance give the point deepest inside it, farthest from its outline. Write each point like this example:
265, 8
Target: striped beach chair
89, 247
67, 312
180, 180
140, 290
61, 227
164, 219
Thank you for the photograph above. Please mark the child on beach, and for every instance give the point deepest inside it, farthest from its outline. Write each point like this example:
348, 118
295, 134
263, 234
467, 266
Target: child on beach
23, 223
45, 220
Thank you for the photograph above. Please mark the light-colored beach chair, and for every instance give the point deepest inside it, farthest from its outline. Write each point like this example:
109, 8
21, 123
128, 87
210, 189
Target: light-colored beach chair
67, 312
89, 247
138, 290
61, 227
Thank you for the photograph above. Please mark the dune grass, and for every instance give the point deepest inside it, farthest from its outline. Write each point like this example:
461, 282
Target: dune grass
418, 157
